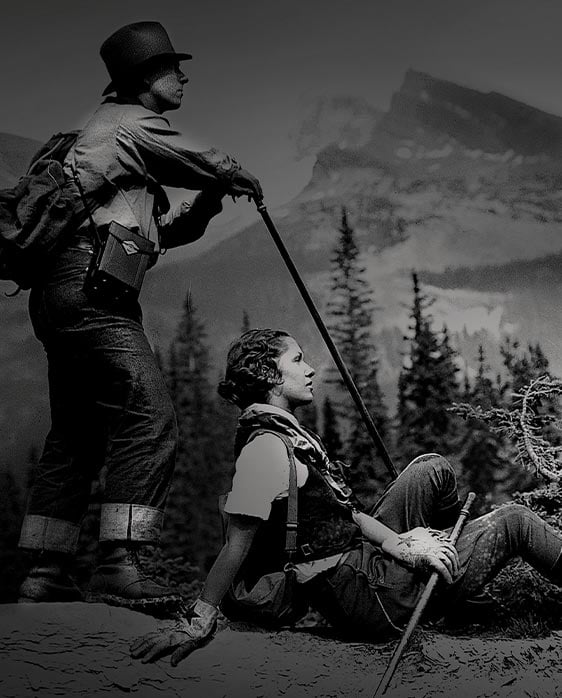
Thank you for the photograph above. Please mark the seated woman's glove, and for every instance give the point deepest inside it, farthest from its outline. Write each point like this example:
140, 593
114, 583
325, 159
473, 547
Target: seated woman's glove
180, 637
425, 549
243, 183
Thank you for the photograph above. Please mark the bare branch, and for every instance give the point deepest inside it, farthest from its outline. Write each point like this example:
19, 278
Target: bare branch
523, 426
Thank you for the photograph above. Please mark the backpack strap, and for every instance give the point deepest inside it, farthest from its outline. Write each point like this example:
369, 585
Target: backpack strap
56, 148
93, 227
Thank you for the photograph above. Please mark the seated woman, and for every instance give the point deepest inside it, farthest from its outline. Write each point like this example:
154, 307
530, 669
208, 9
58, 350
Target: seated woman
362, 570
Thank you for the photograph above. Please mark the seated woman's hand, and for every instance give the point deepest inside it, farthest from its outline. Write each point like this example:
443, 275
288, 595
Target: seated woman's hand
179, 637
424, 548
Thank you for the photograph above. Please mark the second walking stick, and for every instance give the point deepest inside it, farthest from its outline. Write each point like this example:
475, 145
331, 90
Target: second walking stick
422, 603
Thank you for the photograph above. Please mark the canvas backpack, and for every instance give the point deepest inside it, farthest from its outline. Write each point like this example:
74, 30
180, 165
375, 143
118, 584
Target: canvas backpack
37, 215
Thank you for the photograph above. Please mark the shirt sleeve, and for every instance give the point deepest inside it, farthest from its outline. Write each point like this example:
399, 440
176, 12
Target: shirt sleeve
168, 157
261, 475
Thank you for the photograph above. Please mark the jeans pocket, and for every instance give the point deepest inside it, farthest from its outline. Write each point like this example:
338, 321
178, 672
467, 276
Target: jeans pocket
399, 590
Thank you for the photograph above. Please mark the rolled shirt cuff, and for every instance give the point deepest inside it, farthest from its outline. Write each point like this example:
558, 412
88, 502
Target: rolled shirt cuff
133, 522
46, 533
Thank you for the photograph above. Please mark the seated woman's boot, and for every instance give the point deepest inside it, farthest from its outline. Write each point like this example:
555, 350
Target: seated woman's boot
120, 580
48, 580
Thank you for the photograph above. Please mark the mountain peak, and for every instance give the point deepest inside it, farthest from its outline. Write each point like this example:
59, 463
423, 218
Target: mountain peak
489, 121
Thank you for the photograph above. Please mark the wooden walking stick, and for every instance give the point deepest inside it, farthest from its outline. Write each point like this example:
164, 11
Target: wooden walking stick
422, 603
345, 374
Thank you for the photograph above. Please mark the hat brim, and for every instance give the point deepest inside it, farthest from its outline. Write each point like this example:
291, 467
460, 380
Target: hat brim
178, 56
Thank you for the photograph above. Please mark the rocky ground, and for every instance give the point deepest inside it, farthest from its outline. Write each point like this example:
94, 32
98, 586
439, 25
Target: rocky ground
82, 650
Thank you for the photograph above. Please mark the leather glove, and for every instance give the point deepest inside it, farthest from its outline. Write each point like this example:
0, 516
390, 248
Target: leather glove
243, 183
426, 549
180, 637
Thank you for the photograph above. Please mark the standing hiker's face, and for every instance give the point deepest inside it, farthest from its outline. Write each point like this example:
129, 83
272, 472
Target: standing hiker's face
296, 388
165, 83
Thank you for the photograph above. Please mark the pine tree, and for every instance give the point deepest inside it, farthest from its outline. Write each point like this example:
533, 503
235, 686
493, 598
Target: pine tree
192, 525
330, 434
308, 416
171, 373
485, 392
484, 458
523, 367
350, 310
427, 387
449, 370
245, 321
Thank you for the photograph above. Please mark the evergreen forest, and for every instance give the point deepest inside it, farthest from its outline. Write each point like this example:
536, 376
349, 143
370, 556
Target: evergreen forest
445, 403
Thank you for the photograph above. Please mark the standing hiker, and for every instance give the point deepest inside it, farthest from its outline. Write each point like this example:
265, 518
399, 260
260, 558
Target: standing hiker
363, 571
109, 404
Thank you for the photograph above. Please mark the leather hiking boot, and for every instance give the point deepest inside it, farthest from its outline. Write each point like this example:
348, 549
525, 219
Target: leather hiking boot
120, 581
48, 581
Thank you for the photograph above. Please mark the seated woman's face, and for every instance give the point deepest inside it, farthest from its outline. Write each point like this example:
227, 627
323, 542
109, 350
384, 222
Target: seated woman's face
296, 388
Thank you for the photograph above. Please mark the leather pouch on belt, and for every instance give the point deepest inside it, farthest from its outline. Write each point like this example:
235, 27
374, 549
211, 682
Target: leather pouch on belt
118, 267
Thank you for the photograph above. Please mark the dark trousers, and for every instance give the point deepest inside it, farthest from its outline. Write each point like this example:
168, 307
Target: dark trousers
371, 594
109, 405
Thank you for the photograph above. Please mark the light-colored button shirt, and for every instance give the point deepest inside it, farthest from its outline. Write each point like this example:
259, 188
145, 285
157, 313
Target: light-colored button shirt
122, 148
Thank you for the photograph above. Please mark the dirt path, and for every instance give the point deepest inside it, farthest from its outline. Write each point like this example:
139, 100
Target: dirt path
82, 650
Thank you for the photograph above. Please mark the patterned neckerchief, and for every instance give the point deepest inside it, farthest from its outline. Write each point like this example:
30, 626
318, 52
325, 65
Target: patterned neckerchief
307, 445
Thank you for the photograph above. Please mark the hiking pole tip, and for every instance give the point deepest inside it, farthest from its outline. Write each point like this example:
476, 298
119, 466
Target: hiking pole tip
422, 603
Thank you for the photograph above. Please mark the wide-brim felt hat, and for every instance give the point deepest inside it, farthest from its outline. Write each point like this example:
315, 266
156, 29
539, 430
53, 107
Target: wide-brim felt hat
133, 45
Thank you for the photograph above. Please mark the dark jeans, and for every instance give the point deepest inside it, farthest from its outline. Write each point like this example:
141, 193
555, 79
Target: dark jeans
109, 405
371, 594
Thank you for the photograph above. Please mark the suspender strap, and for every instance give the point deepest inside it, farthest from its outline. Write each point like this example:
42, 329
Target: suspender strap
292, 503
291, 525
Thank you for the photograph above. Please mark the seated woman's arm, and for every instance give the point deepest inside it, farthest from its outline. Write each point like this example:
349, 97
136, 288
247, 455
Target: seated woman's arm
239, 537
422, 548
179, 638
254, 487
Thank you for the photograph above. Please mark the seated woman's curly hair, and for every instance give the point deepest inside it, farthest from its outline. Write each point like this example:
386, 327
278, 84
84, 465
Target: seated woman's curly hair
251, 367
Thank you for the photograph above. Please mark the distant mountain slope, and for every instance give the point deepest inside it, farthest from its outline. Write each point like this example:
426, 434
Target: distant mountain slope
527, 274
23, 408
15, 154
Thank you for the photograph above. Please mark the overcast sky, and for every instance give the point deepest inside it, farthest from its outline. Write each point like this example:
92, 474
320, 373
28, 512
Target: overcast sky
258, 62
